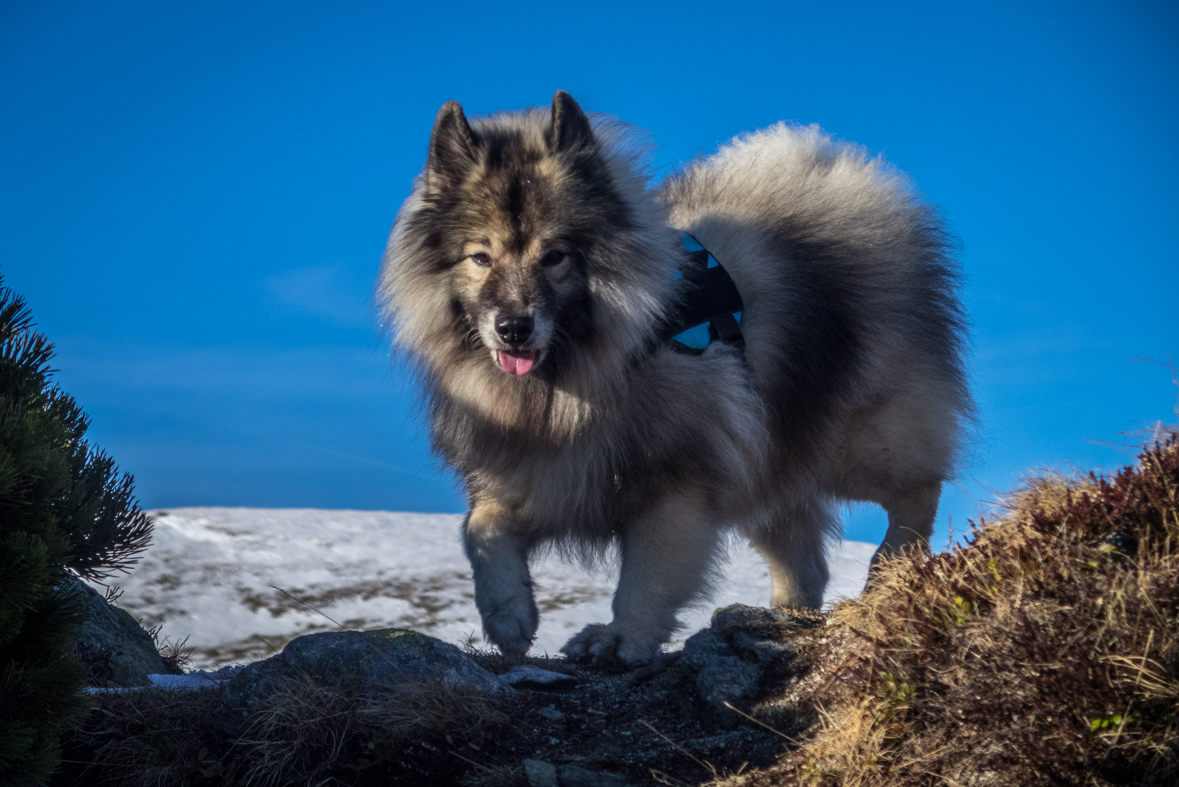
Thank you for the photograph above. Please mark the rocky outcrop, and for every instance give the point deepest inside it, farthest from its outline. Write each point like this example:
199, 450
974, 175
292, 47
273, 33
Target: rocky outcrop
368, 663
372, 707
730, 659
115, 649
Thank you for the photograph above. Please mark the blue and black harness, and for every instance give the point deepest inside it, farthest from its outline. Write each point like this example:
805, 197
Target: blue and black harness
710, 307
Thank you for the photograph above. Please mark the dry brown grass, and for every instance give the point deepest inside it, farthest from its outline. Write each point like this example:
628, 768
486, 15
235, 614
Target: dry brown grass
304, 734
146, 738
176, 655
1046, 651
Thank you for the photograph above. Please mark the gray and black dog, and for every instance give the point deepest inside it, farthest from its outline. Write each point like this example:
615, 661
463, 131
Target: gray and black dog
531, 274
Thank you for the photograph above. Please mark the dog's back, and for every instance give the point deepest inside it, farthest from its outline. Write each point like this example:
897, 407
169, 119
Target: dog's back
854, 333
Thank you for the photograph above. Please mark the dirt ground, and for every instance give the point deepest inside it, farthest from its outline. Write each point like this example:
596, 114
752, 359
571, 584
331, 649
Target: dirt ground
644, 725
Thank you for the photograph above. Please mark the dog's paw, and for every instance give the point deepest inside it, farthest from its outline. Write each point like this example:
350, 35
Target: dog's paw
511, 626
602, 643
596, 642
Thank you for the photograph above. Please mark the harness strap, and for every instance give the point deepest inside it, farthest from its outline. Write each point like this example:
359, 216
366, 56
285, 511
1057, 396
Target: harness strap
710, 307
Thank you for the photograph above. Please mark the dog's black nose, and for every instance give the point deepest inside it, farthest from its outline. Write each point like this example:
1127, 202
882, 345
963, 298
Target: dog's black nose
514, 330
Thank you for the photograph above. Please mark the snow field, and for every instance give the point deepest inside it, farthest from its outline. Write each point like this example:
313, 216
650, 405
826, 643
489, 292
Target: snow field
238, 583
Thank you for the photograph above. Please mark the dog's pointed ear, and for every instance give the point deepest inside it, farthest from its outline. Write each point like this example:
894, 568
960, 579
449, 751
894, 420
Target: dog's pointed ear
452, 148
570, 128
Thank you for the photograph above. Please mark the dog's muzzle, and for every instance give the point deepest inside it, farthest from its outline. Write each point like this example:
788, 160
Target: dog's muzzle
515, 331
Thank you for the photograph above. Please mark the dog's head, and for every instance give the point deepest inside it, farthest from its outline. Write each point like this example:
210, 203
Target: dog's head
520, 212
535, 232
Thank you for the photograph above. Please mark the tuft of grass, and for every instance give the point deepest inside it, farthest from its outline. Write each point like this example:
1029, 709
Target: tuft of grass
146, 738
175, 655
299, 736
1046, 650
304, 733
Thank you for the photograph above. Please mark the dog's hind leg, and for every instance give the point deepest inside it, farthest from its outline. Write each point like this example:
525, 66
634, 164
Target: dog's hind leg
667, 555
503, 587
910, 521
793, 545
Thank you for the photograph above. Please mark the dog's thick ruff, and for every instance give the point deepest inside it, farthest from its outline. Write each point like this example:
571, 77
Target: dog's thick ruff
529, 275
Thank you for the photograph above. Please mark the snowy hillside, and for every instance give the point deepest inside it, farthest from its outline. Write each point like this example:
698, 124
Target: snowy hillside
240, 582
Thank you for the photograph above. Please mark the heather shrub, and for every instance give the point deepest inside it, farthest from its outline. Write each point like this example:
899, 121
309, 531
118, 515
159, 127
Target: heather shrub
1044, 651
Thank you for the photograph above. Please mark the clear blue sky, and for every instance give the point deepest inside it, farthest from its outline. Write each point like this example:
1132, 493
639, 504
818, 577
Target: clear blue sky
194, 198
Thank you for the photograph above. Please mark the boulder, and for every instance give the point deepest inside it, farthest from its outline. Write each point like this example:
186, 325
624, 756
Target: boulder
116, 650
730, 657
367, 663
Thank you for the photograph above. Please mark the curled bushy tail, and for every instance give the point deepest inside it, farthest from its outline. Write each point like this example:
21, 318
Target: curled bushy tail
827, 205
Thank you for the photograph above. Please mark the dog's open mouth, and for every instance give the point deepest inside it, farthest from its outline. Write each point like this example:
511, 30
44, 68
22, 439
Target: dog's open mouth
516, 361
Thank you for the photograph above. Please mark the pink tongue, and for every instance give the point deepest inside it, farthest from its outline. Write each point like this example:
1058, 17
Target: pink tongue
516, 363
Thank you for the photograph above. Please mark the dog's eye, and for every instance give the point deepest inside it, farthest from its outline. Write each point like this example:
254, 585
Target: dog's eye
481, 258
554, 257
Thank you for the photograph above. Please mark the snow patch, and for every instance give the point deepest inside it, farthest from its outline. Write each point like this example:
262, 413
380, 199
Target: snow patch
239, 583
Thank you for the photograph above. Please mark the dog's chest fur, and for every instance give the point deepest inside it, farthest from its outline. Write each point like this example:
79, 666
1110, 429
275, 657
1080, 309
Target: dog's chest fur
609, 459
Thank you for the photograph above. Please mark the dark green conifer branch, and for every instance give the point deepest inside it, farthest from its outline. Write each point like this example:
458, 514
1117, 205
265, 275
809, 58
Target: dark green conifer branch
65, 511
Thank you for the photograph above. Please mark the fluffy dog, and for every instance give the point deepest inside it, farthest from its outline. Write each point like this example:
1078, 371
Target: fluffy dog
531, 275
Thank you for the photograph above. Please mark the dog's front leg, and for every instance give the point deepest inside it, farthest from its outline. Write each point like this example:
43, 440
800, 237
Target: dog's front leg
666, 556
503, 588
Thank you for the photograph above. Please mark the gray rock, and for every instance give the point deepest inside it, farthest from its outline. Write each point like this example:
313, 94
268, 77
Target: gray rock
763, 651
727, 681
526, 677
730, 656
739, 616
540, 773
366, 662
576, 776
115, 649
704, 648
